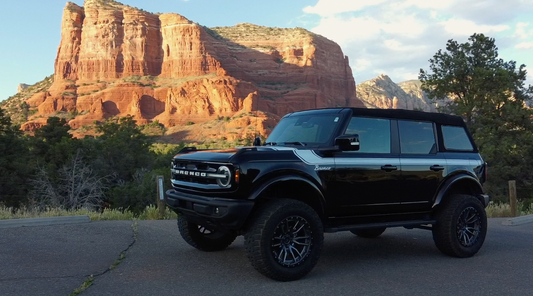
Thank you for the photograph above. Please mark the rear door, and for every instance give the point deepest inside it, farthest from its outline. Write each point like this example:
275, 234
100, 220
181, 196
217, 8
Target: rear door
423, 167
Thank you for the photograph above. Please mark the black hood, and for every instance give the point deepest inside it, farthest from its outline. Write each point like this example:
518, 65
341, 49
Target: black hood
222, 155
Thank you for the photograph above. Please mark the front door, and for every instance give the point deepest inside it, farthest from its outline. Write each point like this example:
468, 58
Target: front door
367, 180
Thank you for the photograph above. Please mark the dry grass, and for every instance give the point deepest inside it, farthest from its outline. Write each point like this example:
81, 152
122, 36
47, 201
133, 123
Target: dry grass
150, 213
504, 210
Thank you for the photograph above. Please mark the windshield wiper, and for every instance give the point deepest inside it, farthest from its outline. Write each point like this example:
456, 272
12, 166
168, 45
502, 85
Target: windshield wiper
295, 143
271, 143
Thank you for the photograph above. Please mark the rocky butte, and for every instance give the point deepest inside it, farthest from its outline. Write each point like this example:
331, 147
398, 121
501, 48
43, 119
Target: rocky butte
117, 60
381, 92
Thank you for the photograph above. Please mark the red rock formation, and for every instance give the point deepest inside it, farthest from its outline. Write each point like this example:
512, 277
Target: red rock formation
66, 66
294, 69
116, 60
186, 52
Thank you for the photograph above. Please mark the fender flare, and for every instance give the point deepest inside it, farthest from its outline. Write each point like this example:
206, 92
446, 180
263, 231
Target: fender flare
259, 190
448, 184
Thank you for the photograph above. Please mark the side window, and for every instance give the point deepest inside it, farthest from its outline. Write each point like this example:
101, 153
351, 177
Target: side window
455, 138
374, 134
416, 137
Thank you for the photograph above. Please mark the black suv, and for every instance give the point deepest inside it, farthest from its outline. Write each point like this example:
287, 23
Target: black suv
329, 170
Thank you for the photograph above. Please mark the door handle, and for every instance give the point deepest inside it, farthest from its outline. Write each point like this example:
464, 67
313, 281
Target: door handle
389, 168
436, 168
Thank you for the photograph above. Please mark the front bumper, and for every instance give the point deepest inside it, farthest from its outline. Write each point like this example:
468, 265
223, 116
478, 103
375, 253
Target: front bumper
486, 199
220, 213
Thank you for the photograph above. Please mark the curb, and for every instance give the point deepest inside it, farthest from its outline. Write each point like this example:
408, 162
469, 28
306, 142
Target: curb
518, 220
44, 221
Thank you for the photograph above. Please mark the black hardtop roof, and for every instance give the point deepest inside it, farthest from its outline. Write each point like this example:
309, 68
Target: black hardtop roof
440, 118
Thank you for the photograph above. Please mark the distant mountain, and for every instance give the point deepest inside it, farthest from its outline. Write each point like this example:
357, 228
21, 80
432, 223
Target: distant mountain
381, 92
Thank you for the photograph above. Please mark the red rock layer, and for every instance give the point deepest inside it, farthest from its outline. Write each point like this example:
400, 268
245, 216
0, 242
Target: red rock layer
115, 60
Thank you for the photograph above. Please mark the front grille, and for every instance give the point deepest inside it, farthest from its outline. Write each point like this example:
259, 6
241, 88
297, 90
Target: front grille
195, 174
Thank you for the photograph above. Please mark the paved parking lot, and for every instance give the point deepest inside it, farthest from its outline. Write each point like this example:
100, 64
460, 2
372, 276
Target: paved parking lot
55, 260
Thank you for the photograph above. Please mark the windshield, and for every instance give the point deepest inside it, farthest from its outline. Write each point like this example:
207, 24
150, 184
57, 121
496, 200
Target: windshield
303, 130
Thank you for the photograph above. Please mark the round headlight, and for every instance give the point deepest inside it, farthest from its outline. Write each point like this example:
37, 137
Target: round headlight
224, 182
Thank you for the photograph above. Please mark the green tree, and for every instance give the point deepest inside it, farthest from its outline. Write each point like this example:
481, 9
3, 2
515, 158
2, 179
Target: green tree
490, 94
122, 154
54, 131
52, 145
121, 149
15, 166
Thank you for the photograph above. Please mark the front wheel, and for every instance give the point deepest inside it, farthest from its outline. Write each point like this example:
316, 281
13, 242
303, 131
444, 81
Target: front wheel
203, 238
461, 226
284, 242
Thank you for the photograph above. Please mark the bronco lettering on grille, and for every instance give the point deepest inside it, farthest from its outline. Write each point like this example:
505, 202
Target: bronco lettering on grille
189, 173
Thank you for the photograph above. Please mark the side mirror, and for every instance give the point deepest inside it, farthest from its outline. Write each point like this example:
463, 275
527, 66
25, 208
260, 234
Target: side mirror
347, 142
257, 141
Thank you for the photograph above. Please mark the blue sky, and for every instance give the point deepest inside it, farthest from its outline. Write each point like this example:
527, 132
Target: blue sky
394, 37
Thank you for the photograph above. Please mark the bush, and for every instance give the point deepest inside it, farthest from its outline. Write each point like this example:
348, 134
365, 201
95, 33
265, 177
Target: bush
139, 193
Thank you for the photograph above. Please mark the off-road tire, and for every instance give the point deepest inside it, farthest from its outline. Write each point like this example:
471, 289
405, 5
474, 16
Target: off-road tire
285, 240
202, 238
369, 233
461, 226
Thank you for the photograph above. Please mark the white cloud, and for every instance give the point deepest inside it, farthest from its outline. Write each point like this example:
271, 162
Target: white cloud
397, 37
425, 4
361, 64
467, 27
524, 45
522, 31
332, 7
393, 44
358, 28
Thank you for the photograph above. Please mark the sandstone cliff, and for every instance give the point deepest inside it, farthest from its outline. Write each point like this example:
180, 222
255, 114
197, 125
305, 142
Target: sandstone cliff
381, 92
115, 60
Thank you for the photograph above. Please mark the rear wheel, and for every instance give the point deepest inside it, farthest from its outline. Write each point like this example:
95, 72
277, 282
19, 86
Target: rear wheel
368, 233
284, 242
203, 238
461, 226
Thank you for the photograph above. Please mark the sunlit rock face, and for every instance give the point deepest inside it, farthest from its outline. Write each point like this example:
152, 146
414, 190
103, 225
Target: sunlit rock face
117, 60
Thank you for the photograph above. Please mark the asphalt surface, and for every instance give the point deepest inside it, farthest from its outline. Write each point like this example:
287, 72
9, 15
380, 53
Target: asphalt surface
55, 260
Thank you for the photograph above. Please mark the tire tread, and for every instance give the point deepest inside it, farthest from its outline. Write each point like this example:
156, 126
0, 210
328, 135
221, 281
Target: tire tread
253, 238
444, 233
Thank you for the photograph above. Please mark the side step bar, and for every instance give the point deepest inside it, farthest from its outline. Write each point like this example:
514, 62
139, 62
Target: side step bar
407, 224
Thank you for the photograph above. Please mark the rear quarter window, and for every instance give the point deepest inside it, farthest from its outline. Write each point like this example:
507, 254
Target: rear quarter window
456, 138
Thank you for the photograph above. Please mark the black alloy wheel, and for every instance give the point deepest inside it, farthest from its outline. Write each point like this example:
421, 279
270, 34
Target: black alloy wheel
284, 240
468, 227
461, 226
291, 242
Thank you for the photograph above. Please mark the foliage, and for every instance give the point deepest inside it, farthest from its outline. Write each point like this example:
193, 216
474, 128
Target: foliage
121, 149
490, 94
154, 128
14, 163
15, 106
248, 31
77, 187
116, 169
137, 194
